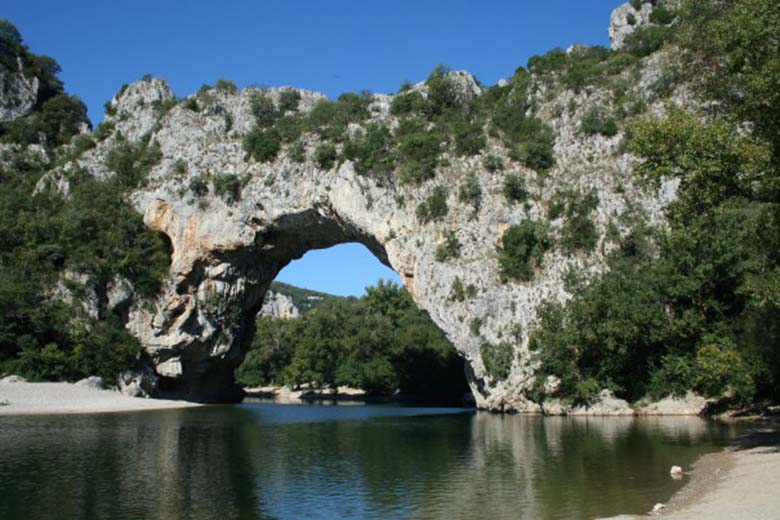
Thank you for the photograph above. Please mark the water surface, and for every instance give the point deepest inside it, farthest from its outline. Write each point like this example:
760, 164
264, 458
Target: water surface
259, 461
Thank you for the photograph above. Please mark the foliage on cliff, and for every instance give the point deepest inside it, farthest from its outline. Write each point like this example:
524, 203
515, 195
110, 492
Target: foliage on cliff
703, 312
80, 241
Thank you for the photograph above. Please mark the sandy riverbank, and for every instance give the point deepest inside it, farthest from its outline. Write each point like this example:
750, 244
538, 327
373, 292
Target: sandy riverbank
738, 483
68, 398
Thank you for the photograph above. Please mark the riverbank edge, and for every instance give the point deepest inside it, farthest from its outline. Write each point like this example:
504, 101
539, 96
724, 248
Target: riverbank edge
22, 398
732, 483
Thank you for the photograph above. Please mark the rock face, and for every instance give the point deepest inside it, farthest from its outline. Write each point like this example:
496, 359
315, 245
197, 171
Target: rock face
18, 93
225, 253
625, 20
278, 305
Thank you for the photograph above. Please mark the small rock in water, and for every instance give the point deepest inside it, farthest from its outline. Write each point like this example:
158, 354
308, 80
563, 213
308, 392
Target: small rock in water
658, 507
676, 472
93, 382
4, 402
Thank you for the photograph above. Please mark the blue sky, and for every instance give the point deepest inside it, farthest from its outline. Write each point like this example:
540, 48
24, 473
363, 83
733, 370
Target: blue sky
329, 46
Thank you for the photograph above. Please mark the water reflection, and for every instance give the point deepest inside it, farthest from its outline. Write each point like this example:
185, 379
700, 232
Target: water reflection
266, 461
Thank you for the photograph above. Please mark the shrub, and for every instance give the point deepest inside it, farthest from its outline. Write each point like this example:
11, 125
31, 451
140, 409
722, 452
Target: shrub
227, 186
104, 130
449, 249
191, 104
721, 370
457, 292
409, 103
579, 232
325, 156
631, 19
514, 188
263, 110
469, 138
131, 163
493, 163
225, 85
370, 152
637, 4
552, 61
661, 15
522, 249
263, 144
470, 192
598, 121
442, 91
674, 377
434, 207
497, 359
198, 187
646, 40
418, 149
289, 100
298, 152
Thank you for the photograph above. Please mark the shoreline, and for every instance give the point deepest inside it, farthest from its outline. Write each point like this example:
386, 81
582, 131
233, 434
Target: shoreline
68, 398
736, 482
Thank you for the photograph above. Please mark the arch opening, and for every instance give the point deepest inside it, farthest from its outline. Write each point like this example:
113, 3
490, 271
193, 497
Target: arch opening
320, 338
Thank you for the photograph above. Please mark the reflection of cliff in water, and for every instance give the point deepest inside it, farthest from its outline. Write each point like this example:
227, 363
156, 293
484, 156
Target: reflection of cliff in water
266, 461
571, 467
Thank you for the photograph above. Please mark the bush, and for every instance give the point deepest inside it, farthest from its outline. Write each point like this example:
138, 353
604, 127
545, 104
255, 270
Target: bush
434, 207
225, 85
493, 163
457, 292
469, 138
497, 359
298, 152
263, 110
646, 40
325, 156
721, 370
631, 19
263, 144
553, 61
470, 191
289, 100
661, 15
131, 163
198, 187
443, 93
674, 377
371, 151
418, 149
191, 104
409, 103
598, 121
579, 232
227, 186
522, 249
514, 188
449, 249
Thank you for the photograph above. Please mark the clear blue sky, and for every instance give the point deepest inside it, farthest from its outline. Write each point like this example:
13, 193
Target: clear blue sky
330, 46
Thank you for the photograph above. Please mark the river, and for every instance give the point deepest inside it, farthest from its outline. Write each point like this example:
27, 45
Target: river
263, 461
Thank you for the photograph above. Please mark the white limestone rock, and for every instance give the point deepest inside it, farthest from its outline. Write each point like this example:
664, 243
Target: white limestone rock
605, 405
18, 93
620, 25
278, 305
689, 404
93, 382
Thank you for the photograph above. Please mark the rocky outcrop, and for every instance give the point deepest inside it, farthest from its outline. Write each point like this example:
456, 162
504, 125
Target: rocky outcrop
18, 93
626, 19
278, 305
226, 251
689, 404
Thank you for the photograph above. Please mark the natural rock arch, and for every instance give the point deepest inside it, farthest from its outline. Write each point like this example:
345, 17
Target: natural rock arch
227, 250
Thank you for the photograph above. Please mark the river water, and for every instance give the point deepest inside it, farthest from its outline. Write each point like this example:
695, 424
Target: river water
258, 461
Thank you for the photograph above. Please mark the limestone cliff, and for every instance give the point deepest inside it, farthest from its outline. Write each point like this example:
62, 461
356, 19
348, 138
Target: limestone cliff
227, 250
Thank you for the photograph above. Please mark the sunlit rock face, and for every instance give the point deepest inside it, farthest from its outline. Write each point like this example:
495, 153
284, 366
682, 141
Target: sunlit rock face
18, 93
227, 250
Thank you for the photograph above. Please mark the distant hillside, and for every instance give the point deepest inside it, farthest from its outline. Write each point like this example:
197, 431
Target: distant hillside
303, 299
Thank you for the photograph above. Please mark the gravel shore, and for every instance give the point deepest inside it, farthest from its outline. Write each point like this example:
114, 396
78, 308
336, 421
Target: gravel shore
737, 483
66, 398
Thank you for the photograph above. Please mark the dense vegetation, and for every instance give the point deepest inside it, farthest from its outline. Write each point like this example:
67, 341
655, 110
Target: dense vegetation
80, 243
380, 342
695, 306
